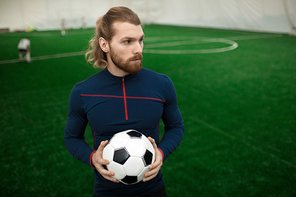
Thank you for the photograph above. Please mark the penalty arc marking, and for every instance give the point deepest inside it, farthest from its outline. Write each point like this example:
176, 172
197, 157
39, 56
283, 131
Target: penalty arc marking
150, 48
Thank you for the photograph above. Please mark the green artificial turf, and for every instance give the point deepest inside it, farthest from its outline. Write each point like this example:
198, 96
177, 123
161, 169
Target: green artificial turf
238, 108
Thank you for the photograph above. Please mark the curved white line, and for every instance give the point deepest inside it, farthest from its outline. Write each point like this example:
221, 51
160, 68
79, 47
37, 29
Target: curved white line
194, 40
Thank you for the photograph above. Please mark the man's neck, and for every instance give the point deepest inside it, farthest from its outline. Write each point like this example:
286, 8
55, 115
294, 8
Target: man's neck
114, 70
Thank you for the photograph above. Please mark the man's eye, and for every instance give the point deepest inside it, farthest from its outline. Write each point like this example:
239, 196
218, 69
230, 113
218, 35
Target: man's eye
127, 41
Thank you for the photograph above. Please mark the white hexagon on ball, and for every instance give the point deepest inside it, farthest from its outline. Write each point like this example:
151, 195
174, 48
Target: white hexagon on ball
120, 172
136, 147
119, 140
133, 166
108, 152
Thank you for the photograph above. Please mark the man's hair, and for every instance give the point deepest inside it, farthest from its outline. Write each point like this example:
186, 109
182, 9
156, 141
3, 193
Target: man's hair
104, 29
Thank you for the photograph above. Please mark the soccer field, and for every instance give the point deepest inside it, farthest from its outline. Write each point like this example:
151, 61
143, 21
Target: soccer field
236, 91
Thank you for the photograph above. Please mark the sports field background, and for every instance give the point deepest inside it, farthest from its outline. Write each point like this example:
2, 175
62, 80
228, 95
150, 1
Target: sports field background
236, 91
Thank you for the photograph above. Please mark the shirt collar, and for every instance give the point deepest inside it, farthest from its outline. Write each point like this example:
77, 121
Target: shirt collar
119, 79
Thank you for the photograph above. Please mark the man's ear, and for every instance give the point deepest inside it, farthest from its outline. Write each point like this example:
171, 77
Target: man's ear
104, 44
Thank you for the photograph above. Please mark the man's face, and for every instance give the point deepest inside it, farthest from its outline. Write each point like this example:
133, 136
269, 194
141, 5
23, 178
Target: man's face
126, 47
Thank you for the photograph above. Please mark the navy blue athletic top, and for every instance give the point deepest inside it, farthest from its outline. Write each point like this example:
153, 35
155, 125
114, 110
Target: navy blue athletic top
112, 104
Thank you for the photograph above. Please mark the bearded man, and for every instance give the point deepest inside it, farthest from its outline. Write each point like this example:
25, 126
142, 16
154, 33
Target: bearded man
122, 96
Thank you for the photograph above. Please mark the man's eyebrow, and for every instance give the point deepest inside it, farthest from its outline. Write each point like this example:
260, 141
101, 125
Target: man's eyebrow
131, 38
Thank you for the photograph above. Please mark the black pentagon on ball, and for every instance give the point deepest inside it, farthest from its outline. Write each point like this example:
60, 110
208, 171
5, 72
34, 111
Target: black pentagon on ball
148, 158
120, 156
134, 134
130, 179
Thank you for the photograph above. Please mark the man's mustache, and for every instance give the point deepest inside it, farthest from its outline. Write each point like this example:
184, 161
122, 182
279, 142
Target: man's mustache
136, 57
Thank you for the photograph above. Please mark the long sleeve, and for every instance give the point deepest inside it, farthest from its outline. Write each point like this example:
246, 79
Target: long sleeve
75, 129
174, 128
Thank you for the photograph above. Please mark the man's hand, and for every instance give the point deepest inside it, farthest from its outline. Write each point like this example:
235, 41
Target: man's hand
98, 162
155, 167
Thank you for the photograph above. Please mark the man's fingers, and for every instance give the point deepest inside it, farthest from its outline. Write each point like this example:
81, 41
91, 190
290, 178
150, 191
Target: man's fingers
102, 145
153, 171
152, 141
99, 163
107, 174
156, 164
111, 179
102, 161
154, 167
150, 174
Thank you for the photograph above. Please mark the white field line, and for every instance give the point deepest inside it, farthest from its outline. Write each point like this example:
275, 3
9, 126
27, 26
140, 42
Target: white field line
246, 143
40, 34
195, 40
250, 37
45, 57
233, 45
177, 43
59, 55
30, 35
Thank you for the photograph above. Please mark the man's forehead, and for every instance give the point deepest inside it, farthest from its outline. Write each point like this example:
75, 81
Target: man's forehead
126, 29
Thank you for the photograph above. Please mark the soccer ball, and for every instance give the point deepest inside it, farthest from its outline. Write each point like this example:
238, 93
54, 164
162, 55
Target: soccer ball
130, 154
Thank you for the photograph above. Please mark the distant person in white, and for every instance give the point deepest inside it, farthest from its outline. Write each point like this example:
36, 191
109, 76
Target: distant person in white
63, 27
24, 47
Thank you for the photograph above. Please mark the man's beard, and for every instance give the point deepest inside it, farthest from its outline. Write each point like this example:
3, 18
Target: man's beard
127, 66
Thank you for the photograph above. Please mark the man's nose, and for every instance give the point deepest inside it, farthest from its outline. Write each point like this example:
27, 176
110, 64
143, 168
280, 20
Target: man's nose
138, 48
